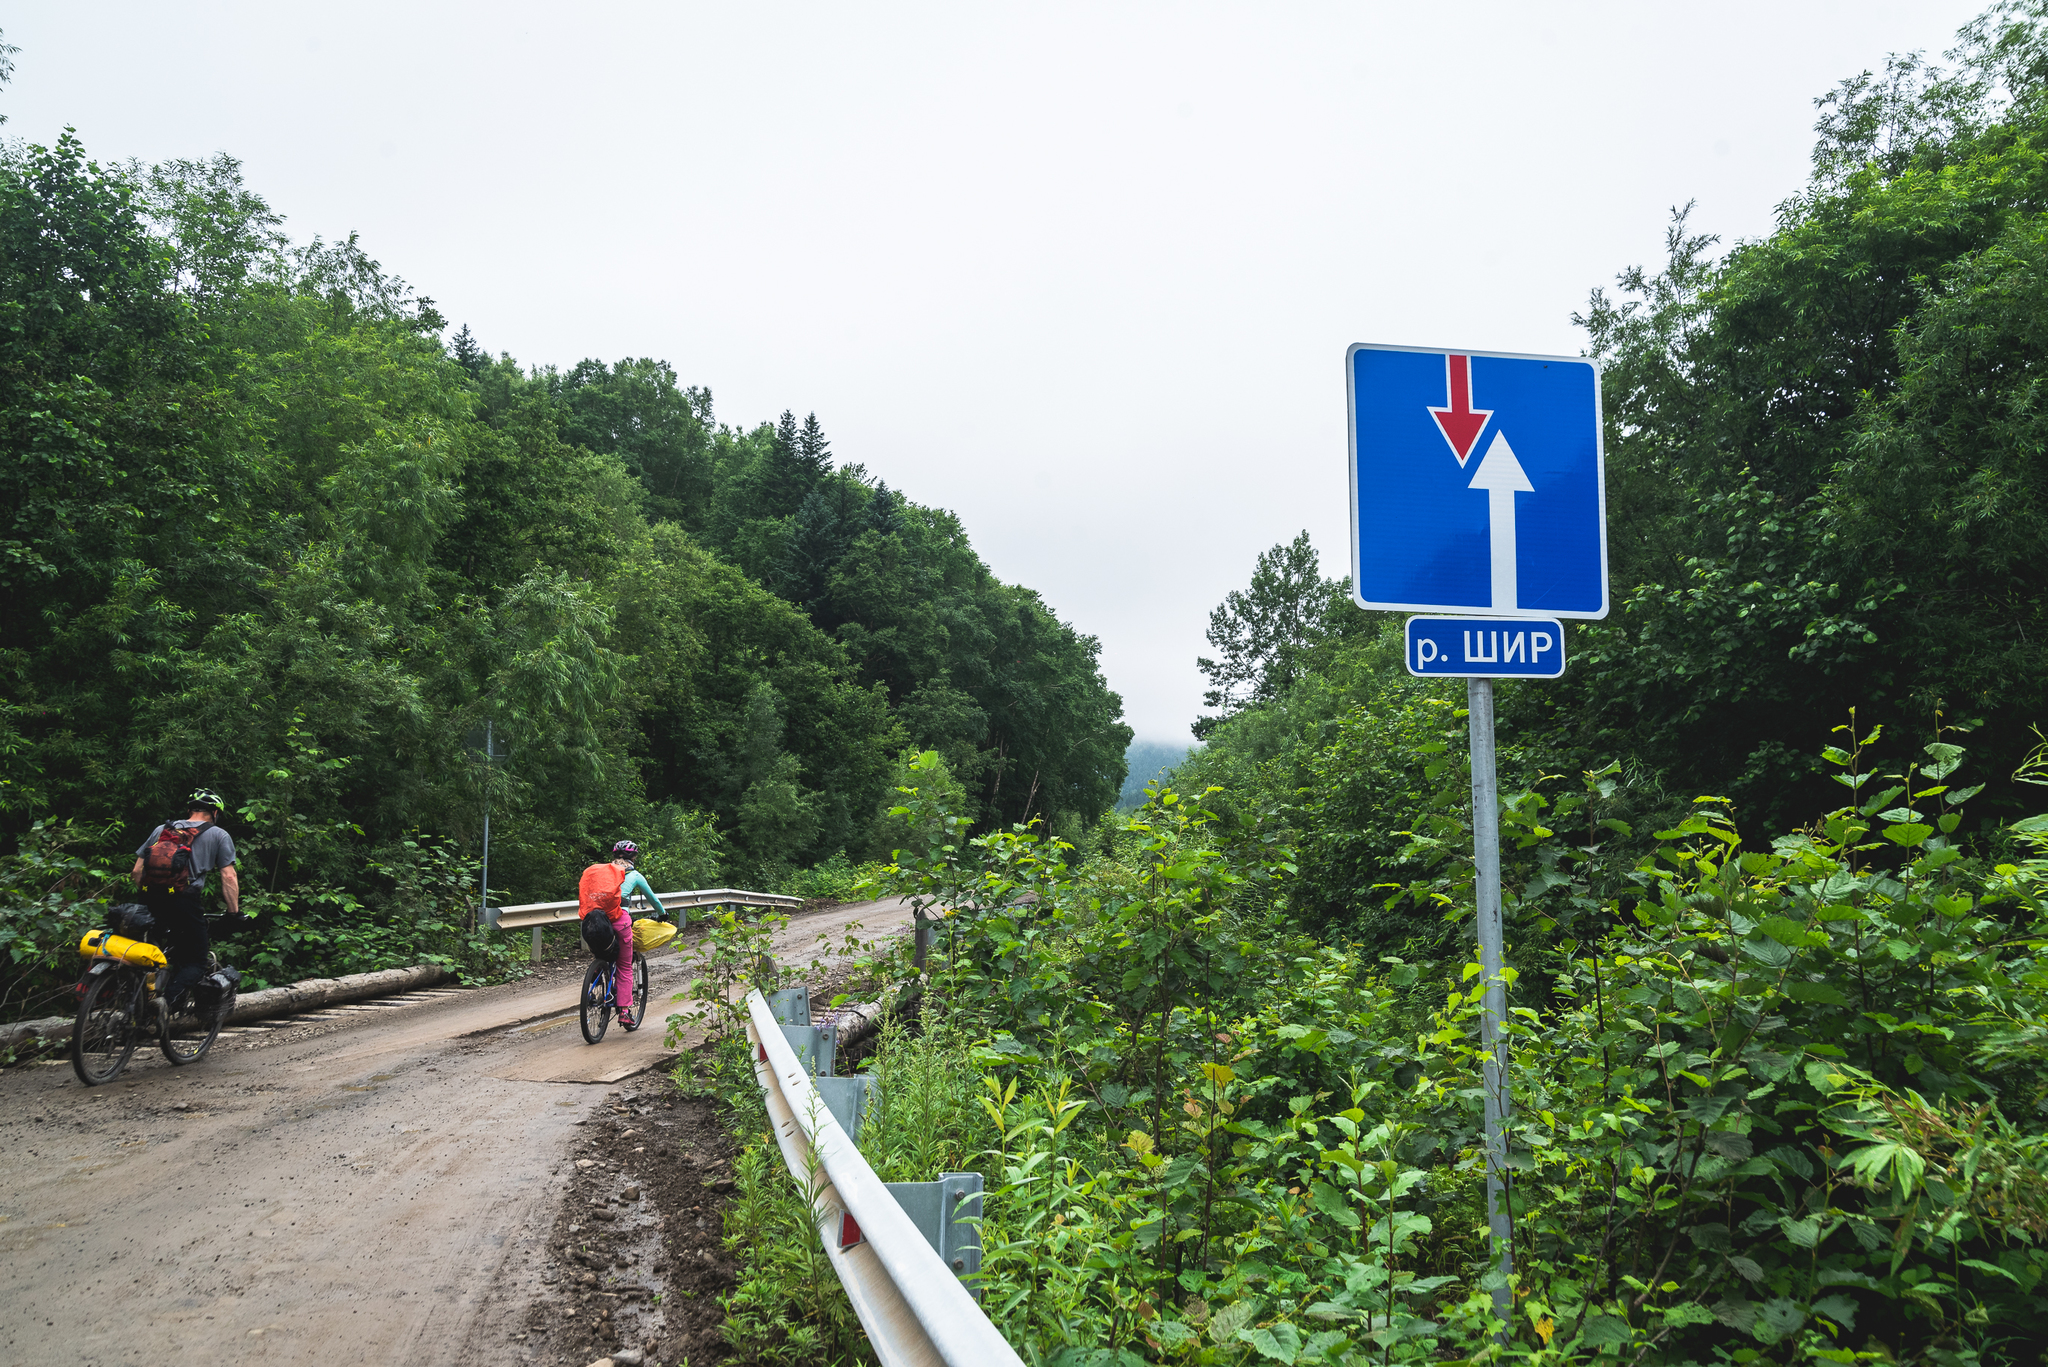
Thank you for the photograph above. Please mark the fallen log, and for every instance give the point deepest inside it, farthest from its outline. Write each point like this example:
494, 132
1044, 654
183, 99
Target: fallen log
310, 995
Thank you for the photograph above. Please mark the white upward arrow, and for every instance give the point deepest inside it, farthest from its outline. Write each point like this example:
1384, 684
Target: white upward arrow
1500, 474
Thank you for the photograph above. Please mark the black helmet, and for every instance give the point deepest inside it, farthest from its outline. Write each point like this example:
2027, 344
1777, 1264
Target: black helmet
626, 848
207, 798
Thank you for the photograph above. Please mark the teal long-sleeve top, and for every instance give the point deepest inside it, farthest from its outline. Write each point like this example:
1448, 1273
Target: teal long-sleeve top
635, 883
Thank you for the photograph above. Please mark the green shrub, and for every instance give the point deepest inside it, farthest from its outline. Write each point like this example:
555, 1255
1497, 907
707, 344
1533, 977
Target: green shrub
1779, 1104
835, 880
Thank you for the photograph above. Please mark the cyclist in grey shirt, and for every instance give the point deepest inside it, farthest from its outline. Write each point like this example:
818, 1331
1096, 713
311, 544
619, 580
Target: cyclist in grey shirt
175, 902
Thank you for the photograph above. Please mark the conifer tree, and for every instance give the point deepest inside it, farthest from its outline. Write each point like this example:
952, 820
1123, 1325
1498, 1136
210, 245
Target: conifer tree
813, 452
470, 356
884, 511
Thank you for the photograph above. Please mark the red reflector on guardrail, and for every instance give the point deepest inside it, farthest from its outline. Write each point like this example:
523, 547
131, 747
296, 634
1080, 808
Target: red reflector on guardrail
849, 1230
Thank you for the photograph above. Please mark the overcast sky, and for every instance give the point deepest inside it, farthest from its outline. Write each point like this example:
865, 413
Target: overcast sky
1083, 273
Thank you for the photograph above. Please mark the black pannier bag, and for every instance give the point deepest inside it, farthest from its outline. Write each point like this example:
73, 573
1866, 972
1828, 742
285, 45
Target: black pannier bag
214, 994
600, 937
131, 919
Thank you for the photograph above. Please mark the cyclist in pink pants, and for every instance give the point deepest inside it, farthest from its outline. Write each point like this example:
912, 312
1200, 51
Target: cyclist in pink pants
603, 891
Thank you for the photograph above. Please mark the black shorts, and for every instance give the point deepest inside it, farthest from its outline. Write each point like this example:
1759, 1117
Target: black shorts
180, 926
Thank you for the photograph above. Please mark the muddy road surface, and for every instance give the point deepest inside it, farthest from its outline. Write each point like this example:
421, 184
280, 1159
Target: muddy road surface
361, 1186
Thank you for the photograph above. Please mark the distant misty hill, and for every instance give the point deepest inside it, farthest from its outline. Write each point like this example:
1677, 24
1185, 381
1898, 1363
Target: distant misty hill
1147, 760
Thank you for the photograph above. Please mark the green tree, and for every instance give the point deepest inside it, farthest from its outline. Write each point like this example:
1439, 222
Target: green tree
1263, 634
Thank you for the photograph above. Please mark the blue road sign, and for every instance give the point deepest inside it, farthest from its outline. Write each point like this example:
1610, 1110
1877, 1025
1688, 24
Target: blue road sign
1476, 483
1486, 647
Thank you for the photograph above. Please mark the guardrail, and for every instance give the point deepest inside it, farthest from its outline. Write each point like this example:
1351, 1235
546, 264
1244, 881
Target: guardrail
901, 1279
540, 914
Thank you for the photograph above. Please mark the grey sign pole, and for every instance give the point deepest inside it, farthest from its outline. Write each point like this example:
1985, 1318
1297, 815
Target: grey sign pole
483, 882
482, 742
1494, 1006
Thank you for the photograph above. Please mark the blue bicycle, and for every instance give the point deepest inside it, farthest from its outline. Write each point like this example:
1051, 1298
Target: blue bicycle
600, 997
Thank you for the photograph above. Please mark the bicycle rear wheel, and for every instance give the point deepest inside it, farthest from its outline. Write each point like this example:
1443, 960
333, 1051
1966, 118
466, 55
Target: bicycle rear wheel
191, 1046
597, 1002
639, 990
104, 1036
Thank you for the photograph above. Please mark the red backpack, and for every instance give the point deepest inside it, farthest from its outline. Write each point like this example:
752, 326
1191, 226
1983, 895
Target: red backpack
599, 890
167, 862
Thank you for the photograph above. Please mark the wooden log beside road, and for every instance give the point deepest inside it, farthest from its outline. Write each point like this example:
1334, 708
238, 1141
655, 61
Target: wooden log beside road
310, 995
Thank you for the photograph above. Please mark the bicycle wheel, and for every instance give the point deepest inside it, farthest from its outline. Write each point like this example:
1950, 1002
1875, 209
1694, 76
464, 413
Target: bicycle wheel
103, 1037
597, 1002
639, 990
191, 1046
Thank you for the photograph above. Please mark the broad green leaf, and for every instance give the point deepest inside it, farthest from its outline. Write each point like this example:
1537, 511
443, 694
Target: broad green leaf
1225, 1323
1787, 931
1280, 1342
1781, 1316
1606, 1331
1886, 1162
1993, 1268
1943, 761
1331, 1203
1321, 1345
1805, 1233
1821, 1077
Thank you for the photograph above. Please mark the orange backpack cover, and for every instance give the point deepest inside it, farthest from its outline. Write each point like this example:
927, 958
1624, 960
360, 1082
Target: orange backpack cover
599, 890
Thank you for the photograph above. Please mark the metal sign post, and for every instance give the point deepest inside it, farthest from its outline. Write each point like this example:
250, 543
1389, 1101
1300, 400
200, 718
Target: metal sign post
1493, 1007
1499, 510
483, 744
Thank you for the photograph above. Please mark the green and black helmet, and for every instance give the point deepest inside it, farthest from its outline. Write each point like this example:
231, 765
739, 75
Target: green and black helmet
207, 798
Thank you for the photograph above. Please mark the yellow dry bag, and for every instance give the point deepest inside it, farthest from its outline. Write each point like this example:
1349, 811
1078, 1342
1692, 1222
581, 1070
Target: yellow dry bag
105, 944
652, 935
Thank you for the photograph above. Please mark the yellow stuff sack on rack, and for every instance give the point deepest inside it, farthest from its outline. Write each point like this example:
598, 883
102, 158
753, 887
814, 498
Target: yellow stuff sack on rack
652, 935
105, 944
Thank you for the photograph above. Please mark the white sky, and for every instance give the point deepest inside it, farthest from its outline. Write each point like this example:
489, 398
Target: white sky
1084, 273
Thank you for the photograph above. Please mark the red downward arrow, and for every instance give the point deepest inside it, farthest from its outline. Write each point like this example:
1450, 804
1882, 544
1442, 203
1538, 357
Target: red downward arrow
1460, 421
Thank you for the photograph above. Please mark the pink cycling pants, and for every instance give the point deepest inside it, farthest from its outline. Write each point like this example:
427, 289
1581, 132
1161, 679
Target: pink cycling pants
623, 924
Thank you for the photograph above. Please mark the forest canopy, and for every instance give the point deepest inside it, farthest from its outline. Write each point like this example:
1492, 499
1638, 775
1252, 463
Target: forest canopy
266, 531
1826, 491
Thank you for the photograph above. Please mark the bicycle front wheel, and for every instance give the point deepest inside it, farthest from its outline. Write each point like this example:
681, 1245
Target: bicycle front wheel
190, 1046
597, 1002
639, 990
103, 1037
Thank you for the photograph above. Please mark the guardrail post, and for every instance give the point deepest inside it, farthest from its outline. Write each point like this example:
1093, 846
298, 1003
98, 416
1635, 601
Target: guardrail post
816, 1045
847, 1099
791, 1005
944, 1212
914, 1314
536, 944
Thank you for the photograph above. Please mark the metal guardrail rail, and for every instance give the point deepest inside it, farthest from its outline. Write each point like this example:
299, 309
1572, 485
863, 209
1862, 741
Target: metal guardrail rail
915, 1310
551, 913
535, 915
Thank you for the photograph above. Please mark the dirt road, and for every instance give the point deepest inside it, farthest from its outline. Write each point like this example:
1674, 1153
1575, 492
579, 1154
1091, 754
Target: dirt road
355, 1189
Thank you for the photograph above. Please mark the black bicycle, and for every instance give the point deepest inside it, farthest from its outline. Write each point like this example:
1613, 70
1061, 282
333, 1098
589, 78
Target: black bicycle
121, 1005
600, 997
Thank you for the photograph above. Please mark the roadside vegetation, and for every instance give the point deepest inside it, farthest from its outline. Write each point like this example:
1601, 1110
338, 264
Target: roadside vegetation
1772, 1100
1775, 869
